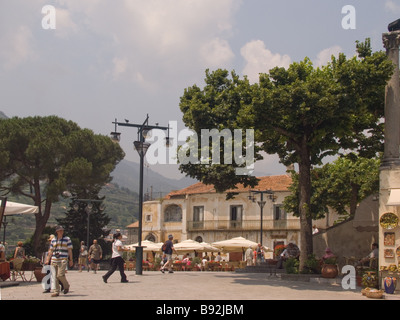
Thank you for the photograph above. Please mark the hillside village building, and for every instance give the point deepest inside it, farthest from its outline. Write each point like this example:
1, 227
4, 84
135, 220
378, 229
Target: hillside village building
198, 212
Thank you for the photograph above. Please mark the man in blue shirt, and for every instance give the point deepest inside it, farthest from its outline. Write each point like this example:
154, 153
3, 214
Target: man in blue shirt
168, 249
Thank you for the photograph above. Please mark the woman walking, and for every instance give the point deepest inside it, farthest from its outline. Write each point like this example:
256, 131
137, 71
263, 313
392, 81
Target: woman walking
116, 259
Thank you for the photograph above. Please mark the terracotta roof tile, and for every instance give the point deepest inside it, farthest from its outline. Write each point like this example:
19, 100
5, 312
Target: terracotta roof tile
133, 225
274, 183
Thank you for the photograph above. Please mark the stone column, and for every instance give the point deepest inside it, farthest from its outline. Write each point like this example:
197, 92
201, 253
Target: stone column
391, 42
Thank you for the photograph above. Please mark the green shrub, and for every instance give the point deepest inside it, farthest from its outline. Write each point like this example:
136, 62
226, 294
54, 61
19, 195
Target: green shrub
292, 266
312, 265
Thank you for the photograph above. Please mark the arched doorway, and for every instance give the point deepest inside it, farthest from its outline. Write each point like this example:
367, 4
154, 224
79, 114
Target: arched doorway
150, 237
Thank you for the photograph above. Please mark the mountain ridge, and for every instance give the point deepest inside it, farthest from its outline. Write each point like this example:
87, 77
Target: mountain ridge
127, 174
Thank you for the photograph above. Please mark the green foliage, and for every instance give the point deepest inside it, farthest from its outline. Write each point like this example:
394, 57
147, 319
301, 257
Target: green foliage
331, 260
340, 185
291, 266
76, 221
301, 113
48, 155
311, 265
217, 106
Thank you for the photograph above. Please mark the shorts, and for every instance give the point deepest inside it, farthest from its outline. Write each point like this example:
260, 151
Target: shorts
95, 261
168, 256
82, 260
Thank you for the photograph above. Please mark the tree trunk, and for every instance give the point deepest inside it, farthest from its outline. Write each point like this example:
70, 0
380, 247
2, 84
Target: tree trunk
41, 221
354, 199
306, 243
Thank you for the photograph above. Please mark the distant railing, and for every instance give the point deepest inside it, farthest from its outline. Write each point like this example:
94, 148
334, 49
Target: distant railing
269, 224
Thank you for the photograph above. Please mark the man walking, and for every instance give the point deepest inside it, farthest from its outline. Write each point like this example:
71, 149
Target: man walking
95, 255
60, 252
168, 248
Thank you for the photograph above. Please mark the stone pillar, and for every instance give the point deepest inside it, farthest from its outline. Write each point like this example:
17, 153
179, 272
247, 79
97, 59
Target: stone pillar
391, 158
390, 168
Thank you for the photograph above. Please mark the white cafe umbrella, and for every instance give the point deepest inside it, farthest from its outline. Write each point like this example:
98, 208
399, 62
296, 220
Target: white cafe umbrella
13, 208
237, 244
148, 246
208, 247
188, 246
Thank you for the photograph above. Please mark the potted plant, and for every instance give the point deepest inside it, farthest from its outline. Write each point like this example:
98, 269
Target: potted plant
30, 263
312, 265
329, 268
38, 274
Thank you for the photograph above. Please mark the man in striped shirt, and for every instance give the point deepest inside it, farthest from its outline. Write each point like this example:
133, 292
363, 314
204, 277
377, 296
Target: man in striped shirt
60, 253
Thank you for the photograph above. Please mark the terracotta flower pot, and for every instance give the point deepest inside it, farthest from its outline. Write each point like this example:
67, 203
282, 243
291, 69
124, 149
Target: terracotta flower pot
329, 271
38, 274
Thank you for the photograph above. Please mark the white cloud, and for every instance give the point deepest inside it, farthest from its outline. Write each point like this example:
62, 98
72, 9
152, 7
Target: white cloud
64, 24
120, 67
18, 49
390, 5
217, 53
260, 60
325, 55
156, 38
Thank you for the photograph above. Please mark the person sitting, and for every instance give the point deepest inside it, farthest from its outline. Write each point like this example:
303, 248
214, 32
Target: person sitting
374, 254
186, 259
291, 251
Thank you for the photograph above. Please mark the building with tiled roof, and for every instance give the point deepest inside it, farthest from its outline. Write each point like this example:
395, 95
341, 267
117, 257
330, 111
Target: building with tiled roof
198, 212
275, 183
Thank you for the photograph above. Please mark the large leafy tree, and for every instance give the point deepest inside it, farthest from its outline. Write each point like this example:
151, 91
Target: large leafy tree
302, 113
216, 106
340, 185
41, 157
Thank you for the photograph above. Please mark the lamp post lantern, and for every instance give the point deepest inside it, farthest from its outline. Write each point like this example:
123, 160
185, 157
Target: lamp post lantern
143, 131
261, 204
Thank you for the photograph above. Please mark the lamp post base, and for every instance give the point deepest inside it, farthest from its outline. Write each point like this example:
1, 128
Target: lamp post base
139, 260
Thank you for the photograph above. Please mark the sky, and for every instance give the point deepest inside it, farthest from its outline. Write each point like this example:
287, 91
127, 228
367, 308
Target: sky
95, 61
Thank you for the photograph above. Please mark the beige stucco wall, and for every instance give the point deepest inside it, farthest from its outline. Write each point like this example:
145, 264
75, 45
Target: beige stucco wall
352, 238
216, 208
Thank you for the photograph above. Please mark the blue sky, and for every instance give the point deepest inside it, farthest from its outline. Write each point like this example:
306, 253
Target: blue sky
123, 59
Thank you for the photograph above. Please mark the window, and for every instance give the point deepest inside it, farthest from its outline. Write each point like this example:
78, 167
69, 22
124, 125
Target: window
198, 217
173, 213
279, 217
236, 213
148, 218
279, 212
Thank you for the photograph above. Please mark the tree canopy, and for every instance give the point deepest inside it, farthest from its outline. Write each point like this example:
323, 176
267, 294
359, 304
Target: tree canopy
340, 185
301, 113
41, 157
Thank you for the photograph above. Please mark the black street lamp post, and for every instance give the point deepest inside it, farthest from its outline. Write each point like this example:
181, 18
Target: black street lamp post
261, 204
141, 146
